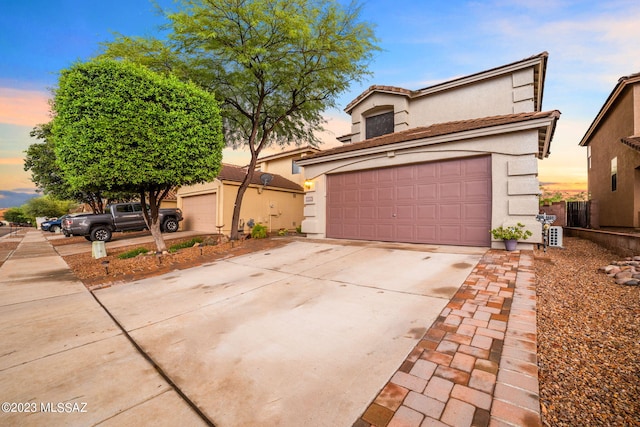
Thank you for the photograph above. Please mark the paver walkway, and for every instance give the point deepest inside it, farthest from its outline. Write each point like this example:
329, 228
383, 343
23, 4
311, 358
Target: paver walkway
477, 364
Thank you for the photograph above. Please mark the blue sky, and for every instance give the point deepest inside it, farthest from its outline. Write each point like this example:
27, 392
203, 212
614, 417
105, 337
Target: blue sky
591, 44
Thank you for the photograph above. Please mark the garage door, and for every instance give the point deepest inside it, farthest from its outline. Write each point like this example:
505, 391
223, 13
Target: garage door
445, 202
199, 213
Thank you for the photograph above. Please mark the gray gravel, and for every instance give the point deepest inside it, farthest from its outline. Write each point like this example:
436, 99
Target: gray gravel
588, 339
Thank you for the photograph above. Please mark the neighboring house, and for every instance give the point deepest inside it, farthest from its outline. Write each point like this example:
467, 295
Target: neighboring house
276, 205
285, 163
613, 156
442, 165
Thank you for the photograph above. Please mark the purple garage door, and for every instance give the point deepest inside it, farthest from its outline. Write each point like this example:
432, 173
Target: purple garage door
445, 202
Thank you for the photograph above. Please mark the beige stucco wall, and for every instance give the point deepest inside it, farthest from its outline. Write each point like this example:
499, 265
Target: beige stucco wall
514, 175
506, 94
271, 207
282, 167
620, 208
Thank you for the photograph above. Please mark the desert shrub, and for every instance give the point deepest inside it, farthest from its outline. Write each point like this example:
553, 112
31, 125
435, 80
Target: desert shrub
187, 244
133, 253
299, 229
259, 231
283, 232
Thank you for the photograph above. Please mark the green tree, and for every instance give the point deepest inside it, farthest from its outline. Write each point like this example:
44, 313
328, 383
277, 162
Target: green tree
16, 215
122, 127
40, 160
46, 206
276, 65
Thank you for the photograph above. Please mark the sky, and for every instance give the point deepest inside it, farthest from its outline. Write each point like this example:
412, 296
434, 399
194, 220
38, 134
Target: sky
591, 44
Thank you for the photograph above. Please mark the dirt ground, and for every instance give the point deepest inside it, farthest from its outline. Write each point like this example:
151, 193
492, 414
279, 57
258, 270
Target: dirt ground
103, 272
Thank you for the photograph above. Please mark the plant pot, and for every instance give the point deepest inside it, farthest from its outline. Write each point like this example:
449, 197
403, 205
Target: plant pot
510, 244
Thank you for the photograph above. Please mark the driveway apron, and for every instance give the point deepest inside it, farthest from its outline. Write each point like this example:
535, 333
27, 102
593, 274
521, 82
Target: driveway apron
304, 334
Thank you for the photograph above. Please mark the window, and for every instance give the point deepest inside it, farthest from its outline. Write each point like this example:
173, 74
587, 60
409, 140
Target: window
380, 124
295, 169
614, 174
588, 156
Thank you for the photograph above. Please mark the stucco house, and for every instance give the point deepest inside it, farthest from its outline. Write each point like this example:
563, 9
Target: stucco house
279, 204
441, 165
613, 156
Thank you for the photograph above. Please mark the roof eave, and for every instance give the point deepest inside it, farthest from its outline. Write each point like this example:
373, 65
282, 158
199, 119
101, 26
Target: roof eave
548, 123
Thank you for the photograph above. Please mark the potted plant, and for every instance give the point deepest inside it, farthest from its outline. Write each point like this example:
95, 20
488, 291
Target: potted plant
511, 235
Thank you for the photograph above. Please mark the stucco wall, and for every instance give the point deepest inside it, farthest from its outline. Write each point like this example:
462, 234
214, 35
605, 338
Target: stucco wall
282, 167
506, 94
515, 185
273, 208
617, 208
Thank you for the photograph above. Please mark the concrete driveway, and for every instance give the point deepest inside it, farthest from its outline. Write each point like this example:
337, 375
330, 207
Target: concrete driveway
305, 334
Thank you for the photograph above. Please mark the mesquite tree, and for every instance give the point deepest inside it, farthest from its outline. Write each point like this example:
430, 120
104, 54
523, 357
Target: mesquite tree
275, 65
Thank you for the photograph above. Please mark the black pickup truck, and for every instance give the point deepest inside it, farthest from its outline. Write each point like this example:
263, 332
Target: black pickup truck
120, 217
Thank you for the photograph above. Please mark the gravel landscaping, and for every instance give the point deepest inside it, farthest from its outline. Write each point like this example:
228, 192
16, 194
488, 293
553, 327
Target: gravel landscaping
588, 339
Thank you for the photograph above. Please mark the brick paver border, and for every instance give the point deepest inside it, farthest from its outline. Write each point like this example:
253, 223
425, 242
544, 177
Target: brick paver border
477, 363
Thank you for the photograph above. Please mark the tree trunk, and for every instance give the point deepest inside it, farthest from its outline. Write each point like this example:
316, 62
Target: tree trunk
152, 220
234, 235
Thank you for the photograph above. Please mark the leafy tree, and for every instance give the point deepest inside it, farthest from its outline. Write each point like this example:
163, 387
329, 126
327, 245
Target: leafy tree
122, 127
46, 174
16, 215
47, 206
275, 64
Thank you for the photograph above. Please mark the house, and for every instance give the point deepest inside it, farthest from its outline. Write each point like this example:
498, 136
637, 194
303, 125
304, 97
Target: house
613, 156
441, 165
278, 204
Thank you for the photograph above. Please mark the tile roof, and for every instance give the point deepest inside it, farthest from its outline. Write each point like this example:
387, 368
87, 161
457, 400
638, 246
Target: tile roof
438, 129
632, 141
236, 173
461, 80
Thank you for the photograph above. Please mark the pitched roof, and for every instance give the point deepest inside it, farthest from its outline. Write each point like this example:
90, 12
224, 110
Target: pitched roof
540, 71
236, 173
298, 150
449, 128
632, 141
620, 86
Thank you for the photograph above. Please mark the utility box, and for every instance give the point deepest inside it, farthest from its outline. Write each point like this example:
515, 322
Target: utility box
98, 250
555, 237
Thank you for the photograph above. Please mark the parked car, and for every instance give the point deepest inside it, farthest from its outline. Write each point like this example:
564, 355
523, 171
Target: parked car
119, 217
54, 224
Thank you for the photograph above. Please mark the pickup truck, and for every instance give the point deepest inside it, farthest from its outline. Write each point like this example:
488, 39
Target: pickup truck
119, 217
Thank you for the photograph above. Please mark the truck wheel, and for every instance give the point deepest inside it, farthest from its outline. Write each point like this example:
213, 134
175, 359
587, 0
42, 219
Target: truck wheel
88, 238
170, 225
101, 233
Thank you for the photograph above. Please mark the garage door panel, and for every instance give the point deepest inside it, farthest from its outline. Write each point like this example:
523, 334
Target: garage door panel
450, 190
450, 212
427, 192
443, 202
476, 211
477, 189
200, 212
405, 193
427, 213
385, 194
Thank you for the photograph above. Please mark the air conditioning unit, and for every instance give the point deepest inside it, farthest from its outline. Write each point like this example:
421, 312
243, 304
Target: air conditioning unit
555, 237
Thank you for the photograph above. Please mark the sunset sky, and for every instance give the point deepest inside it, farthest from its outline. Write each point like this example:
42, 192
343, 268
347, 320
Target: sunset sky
591, 44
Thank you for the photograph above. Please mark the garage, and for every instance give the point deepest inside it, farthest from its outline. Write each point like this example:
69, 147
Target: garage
442, 202
200, 212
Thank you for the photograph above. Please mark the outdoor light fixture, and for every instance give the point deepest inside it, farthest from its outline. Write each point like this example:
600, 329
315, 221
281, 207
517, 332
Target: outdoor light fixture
308, 184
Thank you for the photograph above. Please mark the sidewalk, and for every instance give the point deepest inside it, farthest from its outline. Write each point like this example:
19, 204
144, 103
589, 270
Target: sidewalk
63, 360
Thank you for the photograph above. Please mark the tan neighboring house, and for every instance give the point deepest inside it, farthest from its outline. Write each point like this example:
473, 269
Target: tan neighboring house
277, 205
439, 165
613, 156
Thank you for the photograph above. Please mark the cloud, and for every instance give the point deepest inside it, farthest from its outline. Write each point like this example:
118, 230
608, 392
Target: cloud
23, 107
